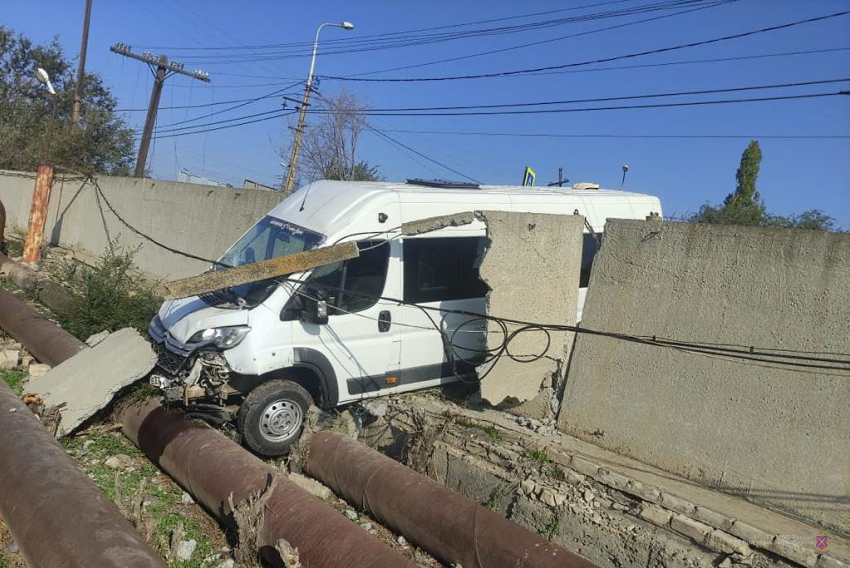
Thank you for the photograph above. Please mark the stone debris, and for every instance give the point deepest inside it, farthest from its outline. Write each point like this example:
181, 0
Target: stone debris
186, 499
311, 486
186, 549
37, 370
351, 514
119, 461
366, 526
401, 540
9, 358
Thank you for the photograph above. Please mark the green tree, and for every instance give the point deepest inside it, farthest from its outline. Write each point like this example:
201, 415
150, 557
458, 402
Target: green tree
102, 144
745, 206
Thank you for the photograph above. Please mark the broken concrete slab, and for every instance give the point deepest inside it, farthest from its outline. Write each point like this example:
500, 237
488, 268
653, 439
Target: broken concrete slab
429, 224
532, 267
9, 358
256, 271
88, 381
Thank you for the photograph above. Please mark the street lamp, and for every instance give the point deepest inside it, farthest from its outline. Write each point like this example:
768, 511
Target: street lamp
44, 79
302, 117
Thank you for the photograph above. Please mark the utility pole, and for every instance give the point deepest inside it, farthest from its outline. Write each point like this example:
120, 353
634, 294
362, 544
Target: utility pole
302, 117
81, 69
162, 70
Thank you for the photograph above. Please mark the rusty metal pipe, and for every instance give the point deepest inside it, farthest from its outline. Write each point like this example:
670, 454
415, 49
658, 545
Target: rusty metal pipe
212, 467
38, 210
47, 342
48, 292
448, 525
54, 511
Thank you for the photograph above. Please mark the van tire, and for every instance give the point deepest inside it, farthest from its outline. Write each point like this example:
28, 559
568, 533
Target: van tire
272, 416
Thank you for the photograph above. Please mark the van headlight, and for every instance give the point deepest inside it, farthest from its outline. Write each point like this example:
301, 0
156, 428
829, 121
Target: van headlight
221, 337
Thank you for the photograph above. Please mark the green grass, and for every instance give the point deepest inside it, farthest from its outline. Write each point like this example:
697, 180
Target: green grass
15, 379
537, 455
193, 530
488, 429
557, 474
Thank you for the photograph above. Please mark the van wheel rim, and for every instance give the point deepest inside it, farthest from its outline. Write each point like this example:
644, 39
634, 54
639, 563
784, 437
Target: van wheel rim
280, 420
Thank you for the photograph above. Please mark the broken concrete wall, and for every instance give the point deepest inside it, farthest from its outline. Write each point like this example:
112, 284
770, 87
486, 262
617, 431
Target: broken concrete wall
199, 219
532, 266
772, 435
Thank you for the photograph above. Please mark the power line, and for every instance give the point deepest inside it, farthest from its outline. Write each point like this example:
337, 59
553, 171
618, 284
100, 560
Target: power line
617, 98
594, 61
417, 40
203, 129
545, 41
626, 136
307, 44
621, 107
420, 154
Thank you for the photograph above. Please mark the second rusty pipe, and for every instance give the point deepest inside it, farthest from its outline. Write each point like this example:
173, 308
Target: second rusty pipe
47, 342
446, 524
214, 469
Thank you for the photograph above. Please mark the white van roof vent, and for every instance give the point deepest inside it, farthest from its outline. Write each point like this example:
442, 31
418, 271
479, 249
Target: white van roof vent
444, 184
586, 185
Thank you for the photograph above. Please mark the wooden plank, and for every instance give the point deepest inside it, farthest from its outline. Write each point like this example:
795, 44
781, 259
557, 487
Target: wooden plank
256, 271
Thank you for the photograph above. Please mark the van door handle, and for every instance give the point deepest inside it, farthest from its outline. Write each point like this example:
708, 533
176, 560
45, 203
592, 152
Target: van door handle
384, 321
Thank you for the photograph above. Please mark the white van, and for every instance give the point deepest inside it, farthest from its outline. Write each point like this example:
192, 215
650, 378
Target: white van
264, 352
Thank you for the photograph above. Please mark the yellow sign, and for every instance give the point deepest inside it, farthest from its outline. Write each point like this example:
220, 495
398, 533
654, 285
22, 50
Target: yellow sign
528, 177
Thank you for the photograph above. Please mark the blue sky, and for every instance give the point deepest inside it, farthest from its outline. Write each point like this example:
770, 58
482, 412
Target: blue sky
797, 174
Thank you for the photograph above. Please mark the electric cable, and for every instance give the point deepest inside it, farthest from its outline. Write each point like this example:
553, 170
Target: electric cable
594, 61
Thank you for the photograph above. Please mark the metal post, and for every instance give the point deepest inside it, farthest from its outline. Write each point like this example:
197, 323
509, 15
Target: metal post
150, 121
81, 68
38, 213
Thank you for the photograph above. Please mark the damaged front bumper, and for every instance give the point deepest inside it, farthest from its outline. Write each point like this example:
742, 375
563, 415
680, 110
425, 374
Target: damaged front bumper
187, 373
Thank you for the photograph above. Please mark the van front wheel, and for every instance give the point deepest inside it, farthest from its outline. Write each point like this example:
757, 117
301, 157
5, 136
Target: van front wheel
272, 416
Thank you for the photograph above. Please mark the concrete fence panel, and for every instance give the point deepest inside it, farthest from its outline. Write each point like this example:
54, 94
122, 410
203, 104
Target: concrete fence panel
198, 219
776, 436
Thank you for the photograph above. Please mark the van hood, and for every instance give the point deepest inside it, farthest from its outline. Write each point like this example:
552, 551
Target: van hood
185, 317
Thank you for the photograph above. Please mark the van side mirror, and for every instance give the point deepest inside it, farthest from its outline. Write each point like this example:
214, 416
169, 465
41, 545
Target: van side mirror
316, 308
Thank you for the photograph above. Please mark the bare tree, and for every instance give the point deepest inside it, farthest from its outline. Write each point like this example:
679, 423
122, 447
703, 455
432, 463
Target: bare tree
329, 145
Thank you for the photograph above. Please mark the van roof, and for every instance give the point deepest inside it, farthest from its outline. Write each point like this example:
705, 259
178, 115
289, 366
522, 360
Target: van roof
351, 207
406, 188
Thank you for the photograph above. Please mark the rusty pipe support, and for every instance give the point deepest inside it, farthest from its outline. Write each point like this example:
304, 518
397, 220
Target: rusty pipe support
54, 511
448, 525
47, 342
38, 212
212, 468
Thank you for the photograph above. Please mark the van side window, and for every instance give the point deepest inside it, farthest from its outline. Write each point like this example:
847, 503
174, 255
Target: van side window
354, 285
439, 269
590, 247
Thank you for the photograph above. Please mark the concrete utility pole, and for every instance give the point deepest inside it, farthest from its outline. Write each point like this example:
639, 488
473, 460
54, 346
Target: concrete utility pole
81, 68
162, 70
302, 117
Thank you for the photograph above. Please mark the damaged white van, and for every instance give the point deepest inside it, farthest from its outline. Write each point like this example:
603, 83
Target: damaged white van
262, 353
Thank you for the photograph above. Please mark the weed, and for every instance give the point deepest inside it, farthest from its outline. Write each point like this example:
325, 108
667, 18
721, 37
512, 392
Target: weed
491, 431
557, 474
109, 297
538, 456
15, 379
495, 499
193, 531
550, 529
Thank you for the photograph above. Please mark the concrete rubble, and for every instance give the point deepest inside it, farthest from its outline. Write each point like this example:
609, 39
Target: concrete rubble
88, 381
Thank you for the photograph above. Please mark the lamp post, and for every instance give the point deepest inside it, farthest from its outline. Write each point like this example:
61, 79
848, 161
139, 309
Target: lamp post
302, 117
43, 183
44, 78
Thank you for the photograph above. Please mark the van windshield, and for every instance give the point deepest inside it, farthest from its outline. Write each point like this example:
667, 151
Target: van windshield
269, 238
